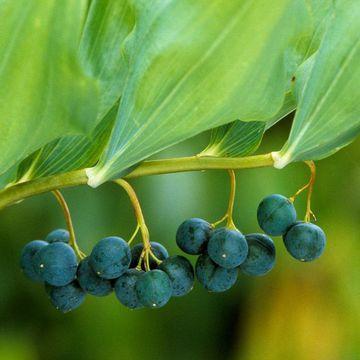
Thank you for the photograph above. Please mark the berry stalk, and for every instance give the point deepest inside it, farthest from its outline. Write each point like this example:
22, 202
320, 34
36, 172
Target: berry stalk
72, 241
141, 225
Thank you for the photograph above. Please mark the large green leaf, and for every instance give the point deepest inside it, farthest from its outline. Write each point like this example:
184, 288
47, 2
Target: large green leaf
44, 92
199, 64
68, 153
328, 115
107, 25
241, 138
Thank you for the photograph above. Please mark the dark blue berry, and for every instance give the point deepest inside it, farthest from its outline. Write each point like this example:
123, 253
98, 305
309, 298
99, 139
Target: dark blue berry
66, 298
261, 255
90, 281
159, 251
110, 257
192, 236
305, 241
125, 289
227, 248
27, 261
213, 277
154, 288
56, 264
181, 274
58, 235
276, 214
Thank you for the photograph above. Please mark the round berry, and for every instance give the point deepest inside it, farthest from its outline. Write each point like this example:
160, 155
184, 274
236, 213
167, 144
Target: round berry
193, 235
261, 256
181, 274
276, 214
305, 241
159, 251
227, 248
90, 282
125, 289
66, 298
56, 264
110, 257
154, 288
27, 261
58, 235
213, 277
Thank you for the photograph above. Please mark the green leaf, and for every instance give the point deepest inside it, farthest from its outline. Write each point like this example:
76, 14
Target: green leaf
238, 138
197, 65
107, 25
241, 138
68, 153
44, 92
8, 177
328, 115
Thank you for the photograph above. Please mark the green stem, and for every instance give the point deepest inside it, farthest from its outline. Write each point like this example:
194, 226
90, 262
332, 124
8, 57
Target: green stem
146, 252
230, 222
72, 241
27, 189
137, 210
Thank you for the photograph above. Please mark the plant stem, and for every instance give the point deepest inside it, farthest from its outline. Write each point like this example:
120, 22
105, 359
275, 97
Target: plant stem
72, 241
140, 224
310, 186
24, 190
229, 212
309, 212
230, 222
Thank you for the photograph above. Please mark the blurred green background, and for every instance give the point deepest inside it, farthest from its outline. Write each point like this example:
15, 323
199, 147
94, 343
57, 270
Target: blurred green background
299, 311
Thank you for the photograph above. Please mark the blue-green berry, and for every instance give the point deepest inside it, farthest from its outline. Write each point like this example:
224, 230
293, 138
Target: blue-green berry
56, 264
213, 277
27, 259
227, 248
261, 256
110, 257
90, 282
159, 251
58, 235
276, 214
193, 235
125, 289
154, 288
181, 274
66, 298
305, 241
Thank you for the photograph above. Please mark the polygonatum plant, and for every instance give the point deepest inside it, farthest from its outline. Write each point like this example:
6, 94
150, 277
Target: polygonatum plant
92, 89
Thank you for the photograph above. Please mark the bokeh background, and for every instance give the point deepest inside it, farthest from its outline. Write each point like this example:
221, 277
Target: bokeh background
299, 311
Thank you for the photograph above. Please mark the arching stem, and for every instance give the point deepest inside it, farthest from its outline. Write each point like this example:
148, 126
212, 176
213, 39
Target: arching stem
72, 241
16, 192
141, 225
310, 186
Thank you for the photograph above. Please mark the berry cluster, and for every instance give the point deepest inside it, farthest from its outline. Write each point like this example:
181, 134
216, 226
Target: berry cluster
146, 276
226, 251
112, 265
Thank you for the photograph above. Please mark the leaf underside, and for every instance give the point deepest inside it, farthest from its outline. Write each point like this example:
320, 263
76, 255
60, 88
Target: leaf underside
328, 114
44, 92
106, 87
